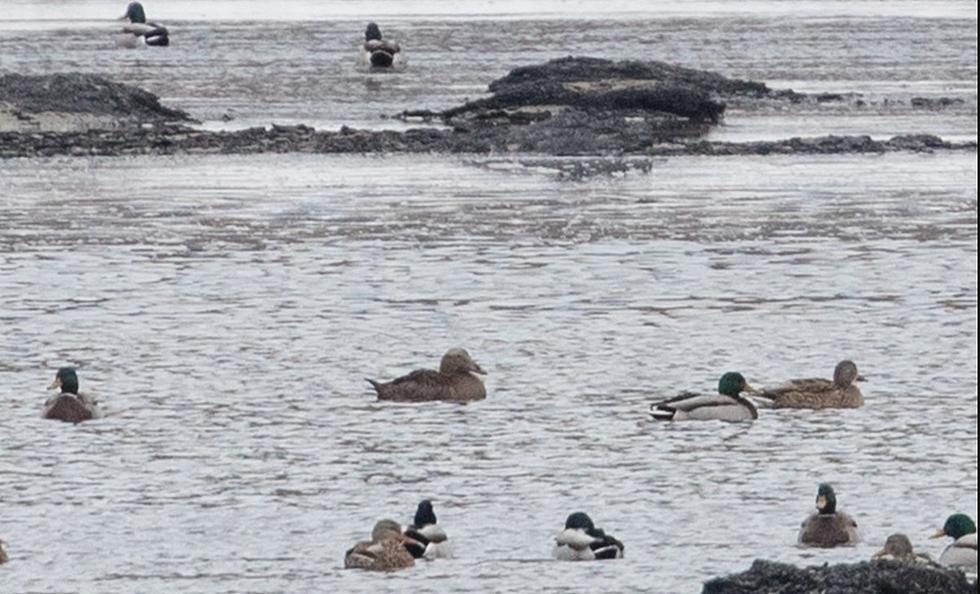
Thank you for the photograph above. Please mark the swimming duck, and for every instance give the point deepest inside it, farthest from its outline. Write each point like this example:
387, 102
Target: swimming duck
727, 405
819, 393
384, 552
379, 52
3, 552
428, 540
827, 527
455, 380
68, 405
582, 541
139, 32
963, 552
898, 548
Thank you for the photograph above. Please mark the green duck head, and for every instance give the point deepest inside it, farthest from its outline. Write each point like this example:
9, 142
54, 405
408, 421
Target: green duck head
732, 384
134, 12
956, 526
67, 380
826, 499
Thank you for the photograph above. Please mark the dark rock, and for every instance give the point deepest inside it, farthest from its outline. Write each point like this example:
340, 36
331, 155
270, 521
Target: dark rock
84, 93
935, 103
879, 577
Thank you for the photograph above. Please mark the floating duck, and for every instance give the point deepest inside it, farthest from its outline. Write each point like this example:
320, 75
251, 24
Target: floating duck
379, 52
819, 393
582, 541
963, 552
727, 405
898, 548
455, 380
68, 405
827, 527
428, 540
3, 552
386, 551
139, 32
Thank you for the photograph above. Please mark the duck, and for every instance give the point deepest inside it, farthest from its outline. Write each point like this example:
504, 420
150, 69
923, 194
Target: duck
68, 405
727, 405
827, 527
386, 551
582, 541
817, 393
427, 539
139, 32
379, 52
3, 552
898, 548
455, 380
962, 553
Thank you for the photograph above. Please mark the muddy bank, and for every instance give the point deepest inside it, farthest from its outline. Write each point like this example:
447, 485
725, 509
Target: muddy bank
564, 107
880, 577
72, 102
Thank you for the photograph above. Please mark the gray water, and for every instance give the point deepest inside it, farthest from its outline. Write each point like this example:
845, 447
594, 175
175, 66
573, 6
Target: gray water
226, 310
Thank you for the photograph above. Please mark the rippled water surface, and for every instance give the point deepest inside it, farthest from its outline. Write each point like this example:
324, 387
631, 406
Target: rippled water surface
226, 310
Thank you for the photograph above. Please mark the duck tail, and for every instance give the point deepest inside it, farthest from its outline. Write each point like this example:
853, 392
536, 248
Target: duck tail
376, 385
661, 413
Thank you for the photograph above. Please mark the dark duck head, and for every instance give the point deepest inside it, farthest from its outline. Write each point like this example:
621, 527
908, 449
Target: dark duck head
135, 13
67, 380
826, 499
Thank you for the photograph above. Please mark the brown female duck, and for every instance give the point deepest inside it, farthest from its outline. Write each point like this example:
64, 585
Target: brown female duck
455, 380
384, 552
817, 393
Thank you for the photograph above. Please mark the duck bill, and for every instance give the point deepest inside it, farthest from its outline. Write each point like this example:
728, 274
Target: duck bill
475, 368
55, 384
748, 388
821, 502
939, 533
880, 554
860, 378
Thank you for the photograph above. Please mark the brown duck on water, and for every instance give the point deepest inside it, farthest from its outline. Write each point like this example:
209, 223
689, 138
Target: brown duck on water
455, 380
384, 552
3, 553
68, 405
817, 393
828, 527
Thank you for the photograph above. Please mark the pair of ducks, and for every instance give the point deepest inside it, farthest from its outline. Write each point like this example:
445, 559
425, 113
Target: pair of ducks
139, 32
730, 405
827, 528
456, 381
393, 549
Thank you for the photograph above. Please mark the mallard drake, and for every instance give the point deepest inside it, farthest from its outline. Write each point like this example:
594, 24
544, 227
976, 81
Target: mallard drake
68, 405
582, 541
455, 380
727, 405
3, 552
963, 552
384, 552
827, 527
139, 32
427, 538
819, 393
379, 52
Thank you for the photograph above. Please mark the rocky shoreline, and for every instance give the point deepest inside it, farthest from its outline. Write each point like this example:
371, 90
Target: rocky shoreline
876, 577
564, 107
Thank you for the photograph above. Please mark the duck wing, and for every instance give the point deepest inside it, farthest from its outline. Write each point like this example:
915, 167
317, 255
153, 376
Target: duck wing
606, 546
687, 402
67, 408
419, 386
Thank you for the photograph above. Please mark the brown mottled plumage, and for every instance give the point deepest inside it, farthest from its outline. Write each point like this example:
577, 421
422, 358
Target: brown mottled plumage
898, 548
455, 380
816, 393
384, 552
